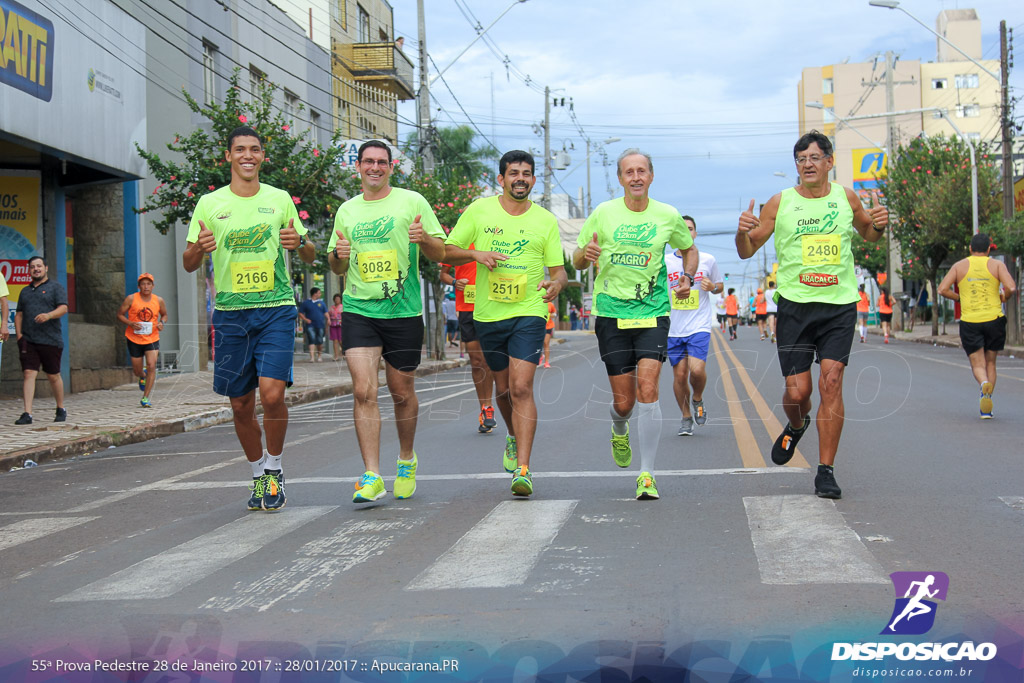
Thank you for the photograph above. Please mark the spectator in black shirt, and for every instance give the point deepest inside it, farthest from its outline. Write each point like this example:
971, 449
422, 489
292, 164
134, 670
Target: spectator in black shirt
40, 342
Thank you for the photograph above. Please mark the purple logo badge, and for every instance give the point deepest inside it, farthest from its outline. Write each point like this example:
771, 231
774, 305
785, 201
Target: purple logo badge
914, 611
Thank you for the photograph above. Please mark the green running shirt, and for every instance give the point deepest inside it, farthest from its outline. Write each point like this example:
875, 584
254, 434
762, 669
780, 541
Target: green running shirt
250, 267
632, 281
813, 244
530, 241
383, 278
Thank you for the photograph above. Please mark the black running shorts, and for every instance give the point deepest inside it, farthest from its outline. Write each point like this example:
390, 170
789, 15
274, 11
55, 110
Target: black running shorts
466, 327
400, 338
809, 332
990, 335
621, 349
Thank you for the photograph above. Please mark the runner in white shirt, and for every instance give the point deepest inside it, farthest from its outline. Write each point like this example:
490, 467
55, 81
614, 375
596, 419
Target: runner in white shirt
689, 334
772, 309
720, 311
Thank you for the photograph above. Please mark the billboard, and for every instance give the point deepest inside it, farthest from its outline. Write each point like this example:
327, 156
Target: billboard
868, 166
74, 81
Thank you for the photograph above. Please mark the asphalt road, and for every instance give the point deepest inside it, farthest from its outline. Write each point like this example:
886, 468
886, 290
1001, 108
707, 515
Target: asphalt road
147, 554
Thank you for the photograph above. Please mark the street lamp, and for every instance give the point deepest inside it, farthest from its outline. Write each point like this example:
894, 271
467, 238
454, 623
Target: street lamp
894, 4
595, 146
819, 105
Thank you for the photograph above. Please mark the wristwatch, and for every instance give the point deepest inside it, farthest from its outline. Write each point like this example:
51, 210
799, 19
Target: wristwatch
691, 278
302, 241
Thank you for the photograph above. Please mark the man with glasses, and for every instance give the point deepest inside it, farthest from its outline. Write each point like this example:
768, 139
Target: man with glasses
813, 226
377, 240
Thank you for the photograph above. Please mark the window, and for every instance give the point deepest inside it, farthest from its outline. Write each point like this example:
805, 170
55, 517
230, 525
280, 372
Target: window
938, 83
967, 80
209, 66
314, 123
364, 25
974, 137
256, 79
291, 104
829, 115
967, 111
826, 86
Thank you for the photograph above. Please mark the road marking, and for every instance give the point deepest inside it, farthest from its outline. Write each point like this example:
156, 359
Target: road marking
317, 565
768, 419
155, 486
804, 539
462, 476
33, 529
166, 573
750, 454
484, 558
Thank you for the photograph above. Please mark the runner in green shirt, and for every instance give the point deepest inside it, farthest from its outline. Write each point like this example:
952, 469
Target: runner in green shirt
813, 224
376, 243
514, 240
626, 240
247, 227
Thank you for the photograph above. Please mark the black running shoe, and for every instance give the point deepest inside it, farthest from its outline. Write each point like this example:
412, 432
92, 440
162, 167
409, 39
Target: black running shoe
825, 485
25, 419
273, 490
785, 445
256, 499
61, 415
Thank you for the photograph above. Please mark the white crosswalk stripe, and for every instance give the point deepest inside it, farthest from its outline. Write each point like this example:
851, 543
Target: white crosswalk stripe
482, 558
34, 529
803, 539
166, 573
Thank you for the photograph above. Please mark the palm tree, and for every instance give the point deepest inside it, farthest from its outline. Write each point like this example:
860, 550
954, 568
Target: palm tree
455, 154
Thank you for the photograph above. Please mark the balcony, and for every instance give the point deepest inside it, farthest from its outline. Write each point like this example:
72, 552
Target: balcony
381, 65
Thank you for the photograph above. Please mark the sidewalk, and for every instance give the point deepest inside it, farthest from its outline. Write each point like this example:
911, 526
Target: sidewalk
922, 334
181, 403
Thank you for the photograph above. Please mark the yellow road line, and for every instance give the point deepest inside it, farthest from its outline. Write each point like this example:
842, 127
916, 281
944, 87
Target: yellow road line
768, 419
750, 454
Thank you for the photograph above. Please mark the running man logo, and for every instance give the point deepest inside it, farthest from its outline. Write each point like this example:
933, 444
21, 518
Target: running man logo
632, 260
26, 50
641, 235
818, 279
374, 231
914, 613
249, 239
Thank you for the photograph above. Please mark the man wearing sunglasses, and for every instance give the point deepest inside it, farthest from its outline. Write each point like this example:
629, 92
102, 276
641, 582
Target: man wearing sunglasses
813, 226
376, 243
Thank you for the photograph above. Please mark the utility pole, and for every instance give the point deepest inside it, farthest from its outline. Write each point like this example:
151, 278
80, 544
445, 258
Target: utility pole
425, 132
890, 138
1012, 310
547, 147
588, 179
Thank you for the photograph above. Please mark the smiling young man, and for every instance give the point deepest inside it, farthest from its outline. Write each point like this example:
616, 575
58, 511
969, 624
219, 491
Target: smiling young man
513, 241
813, 224
248, 227
377, 240
626, 237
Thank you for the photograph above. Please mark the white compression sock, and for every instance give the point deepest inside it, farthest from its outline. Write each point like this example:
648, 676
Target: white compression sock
273, 462
620, 423
257, 466
648, 431
863, 331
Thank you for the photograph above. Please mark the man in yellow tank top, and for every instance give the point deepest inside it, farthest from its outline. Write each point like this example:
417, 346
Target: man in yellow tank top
145, 314
982, 323
813, 225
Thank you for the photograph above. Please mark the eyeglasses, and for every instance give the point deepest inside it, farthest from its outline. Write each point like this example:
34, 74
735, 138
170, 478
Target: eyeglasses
383, 163
814, 158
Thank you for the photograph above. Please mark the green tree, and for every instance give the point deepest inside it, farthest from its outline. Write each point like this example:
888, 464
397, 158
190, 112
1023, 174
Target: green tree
928, 193
869, 255
313, 175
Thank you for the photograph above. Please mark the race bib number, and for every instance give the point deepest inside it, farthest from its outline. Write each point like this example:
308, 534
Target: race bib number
252, 276
377, 266
146, 328
690, 303
469, 294
507, 288
637, 323
820, 250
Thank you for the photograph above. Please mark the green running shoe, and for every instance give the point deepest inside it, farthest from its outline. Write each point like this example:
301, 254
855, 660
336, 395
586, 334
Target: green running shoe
621, 450
646, 487
369, 488
144, 402
510, 459
405, 481
256, 499
522, 483
273, 490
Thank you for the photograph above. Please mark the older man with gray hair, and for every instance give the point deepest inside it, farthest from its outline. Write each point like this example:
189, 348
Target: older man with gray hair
626, 238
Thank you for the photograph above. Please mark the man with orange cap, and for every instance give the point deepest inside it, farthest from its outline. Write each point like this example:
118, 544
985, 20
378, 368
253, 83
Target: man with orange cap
145, 314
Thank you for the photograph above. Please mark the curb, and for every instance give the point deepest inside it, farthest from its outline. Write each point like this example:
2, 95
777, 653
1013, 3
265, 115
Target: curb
155, 430
950, 344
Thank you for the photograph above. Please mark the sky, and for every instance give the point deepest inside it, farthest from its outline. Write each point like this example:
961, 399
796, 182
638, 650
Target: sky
709, 90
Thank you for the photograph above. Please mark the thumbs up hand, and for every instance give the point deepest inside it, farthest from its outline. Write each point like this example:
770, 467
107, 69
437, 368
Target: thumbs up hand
878, 214
592, 251
342, 248
416, 230
748, 221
